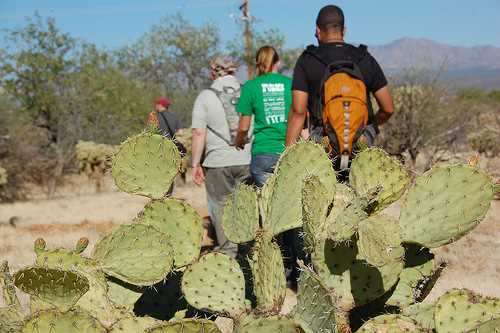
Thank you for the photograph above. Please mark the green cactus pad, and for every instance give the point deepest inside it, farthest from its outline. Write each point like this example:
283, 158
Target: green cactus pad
7, 286
345, 214
122, 294
240, 219
379, 240
58, 287
416, 279
146, 164
316, 199
422, 314
347, 272
215, 283
54, 321
81, 245
374, 170
186, 326
315, 310
177, 219
274, 324
268, 274
11, 319
95, 300
136, 253
284, 206
445, 204
491, 326
462, 310
134, 324
391, 324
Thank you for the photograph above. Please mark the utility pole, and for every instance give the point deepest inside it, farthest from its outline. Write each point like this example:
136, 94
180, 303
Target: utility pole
247, 20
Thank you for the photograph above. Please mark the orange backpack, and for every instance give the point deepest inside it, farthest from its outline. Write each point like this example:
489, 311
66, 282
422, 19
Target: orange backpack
344, 107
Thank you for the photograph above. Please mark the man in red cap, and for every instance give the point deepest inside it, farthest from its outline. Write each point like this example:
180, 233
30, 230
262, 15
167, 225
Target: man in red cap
167, 121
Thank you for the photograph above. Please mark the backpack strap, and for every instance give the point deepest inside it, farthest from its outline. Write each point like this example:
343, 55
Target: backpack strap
219, 135
170, 132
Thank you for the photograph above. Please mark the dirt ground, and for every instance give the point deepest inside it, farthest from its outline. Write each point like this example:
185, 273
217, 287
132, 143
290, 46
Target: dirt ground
473, 261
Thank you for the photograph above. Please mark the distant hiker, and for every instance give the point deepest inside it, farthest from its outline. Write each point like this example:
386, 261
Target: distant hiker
215, 124
333, 82
268, 98
168, 124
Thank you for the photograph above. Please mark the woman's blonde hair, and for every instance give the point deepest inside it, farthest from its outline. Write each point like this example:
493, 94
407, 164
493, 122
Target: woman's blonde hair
266, 58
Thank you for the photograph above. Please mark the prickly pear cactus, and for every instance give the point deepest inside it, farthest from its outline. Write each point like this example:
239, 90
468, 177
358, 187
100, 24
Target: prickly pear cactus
417, 278
379, 240
422, 314
137, 254
11, 316
316, 308
146, 164
61, 288
268, 274
177, 219
278, 324
445, 204
284, 205
391, 324
316, 199
186, 326
54, 321
134, 324
462, 310
95, 300
7, 286
374, 170
123, 295
491, 326
240, 220
11, 319
215, 283
344, 269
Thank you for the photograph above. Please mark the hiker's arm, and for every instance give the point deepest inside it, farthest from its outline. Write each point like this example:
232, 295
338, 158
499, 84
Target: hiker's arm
196, 152
296, 117
243, 128
386, 107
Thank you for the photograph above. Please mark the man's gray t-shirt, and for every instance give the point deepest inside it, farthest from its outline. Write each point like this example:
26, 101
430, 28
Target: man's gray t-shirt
208, 111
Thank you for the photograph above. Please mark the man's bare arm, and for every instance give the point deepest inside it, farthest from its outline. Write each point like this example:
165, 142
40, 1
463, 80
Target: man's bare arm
243, 128
198, 144
296, 117
386, 106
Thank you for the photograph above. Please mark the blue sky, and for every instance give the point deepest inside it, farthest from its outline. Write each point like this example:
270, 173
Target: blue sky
113, 23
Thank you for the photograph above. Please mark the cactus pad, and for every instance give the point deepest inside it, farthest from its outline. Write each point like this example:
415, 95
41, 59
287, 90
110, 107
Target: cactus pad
186, 326
215, 283
379, 240
422, 314
177, 219
58, 287
491, 326
315, 311
122, 294
374, 170
284, 206
445, 204
316, 199
345, 270
462, 310
275, 324
391, 324
240, 219
137, 254
146, 164
7, 286
62, 322
11, 319
134, 324
268, 273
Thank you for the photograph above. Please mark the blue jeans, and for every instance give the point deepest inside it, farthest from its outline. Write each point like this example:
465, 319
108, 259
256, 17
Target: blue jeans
262, 166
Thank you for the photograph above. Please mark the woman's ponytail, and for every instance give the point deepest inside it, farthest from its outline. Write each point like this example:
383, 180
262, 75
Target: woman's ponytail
265, 60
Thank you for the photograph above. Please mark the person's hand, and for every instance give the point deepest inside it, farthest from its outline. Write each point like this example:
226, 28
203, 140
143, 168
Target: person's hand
198, 175
239, 145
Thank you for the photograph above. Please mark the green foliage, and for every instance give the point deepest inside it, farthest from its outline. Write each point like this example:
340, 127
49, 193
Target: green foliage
278, 324
391, 324
3, 176
53, 321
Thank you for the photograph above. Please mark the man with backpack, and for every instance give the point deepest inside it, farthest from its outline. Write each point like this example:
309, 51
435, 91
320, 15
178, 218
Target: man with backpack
332, 83
215, 126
